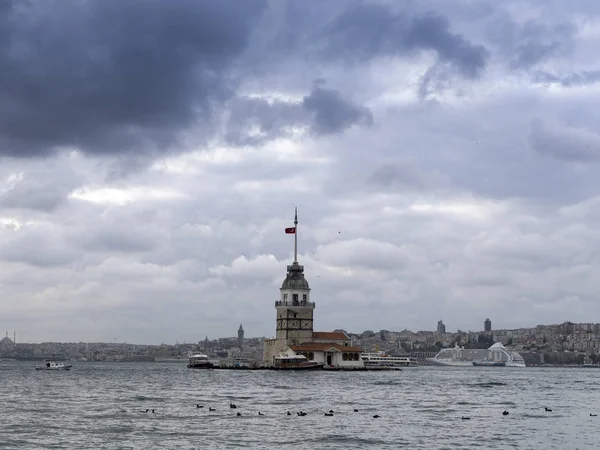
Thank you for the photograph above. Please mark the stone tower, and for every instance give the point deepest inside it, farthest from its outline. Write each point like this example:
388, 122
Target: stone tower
294, 308
241, 337
294, 323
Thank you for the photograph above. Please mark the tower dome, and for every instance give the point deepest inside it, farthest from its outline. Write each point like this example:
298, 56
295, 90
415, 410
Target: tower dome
295, 278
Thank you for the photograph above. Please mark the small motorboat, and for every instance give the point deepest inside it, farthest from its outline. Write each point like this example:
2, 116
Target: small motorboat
53, 365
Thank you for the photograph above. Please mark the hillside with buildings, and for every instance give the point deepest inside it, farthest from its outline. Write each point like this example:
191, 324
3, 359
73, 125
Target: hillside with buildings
565, 343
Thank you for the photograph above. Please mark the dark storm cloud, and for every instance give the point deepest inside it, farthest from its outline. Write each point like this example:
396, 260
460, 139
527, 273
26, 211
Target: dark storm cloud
254, 121
528, 44
332, 113
109, 76
368, 30
570, 144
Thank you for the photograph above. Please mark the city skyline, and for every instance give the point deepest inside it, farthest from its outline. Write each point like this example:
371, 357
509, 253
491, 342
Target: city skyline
442, 156
240, 335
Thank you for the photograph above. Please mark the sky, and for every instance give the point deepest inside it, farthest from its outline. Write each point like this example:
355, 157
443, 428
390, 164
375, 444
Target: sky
443, 156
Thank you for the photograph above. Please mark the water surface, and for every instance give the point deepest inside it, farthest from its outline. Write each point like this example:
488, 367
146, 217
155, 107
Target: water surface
102, 406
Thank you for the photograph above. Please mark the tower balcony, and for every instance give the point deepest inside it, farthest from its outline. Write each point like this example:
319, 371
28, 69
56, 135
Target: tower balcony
298, 303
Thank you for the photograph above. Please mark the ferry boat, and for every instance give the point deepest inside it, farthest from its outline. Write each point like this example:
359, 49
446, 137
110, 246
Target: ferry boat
381, 359
199, 361
53, 365
460, 356
295, 362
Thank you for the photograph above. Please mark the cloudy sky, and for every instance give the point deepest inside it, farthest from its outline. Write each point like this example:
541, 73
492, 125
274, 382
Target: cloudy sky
442, 156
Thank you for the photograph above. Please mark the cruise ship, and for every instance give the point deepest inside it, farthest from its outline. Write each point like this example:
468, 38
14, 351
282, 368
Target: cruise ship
493, 356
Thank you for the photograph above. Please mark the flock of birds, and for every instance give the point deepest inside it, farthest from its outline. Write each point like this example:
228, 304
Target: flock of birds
331, 412
298, 413
234, 406
506, 413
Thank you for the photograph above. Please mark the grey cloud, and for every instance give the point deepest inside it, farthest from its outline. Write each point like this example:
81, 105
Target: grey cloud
41, 246
404, 176
41, 191
583, 78
118, 239
332, 113
367, 30
565, 143
111, 76
528, 44
253, 121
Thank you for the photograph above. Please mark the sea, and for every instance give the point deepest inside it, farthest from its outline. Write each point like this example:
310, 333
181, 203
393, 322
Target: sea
155, 406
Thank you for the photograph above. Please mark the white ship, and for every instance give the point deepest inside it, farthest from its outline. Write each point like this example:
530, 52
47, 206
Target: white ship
459, 356
381, 359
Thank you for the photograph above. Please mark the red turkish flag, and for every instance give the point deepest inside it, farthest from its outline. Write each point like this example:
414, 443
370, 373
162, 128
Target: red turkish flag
290, 230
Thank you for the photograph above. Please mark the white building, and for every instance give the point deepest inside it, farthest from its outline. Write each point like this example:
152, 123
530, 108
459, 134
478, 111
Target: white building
294, 323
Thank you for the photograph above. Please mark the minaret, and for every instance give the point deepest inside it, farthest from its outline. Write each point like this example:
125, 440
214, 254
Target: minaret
294, 308
241, 337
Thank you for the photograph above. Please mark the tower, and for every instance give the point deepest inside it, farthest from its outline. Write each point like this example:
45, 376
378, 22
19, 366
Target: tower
441, 328
294, 320
487, 325
241, 337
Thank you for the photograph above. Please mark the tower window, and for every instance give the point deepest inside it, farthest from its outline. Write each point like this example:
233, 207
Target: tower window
285, 297
295, 298
304, 298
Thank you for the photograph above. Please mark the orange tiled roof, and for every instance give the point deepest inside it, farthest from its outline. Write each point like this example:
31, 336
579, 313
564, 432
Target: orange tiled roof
322, 347
331, 335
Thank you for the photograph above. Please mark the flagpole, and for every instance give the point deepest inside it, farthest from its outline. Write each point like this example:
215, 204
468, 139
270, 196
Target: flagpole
296, 235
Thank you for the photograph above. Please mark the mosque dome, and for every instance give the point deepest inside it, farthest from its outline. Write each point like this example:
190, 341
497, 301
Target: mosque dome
295, 278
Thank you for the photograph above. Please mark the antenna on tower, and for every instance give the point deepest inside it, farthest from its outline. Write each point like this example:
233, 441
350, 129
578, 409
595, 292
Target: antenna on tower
295, 235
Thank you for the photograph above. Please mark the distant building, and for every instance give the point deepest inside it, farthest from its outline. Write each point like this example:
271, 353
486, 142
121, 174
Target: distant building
441, 328
487, 325
6, 345
241, 337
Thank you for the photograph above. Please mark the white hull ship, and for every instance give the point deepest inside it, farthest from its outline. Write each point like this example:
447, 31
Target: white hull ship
383, 360
53, 365
495, 356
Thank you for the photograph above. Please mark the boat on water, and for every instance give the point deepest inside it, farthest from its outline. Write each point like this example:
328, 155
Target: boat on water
460, 356
199, 361
382, 359
295, 362
53, 365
